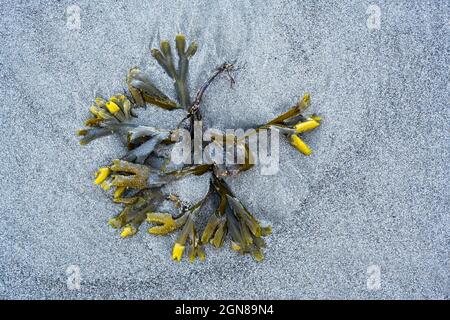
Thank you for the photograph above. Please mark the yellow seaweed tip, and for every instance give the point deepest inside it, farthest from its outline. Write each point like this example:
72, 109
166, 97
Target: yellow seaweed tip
258, 255
121, 98
266, 231
82, 132
177, 252
118, 192
201, 254
306, 126
235, 246
165, 47
102, 174
179, 37
112, 107
127, 231
306, 98
304, 102
154, 52
300, 145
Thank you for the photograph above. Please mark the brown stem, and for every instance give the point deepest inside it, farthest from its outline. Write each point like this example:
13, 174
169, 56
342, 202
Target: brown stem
194, 111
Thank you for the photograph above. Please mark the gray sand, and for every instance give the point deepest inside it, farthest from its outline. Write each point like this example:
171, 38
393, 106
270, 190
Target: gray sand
375, 191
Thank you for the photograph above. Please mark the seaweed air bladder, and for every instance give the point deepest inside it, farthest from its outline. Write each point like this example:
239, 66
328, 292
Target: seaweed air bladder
136, 183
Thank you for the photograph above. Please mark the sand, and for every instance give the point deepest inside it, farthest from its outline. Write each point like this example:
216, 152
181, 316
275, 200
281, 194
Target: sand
374, 194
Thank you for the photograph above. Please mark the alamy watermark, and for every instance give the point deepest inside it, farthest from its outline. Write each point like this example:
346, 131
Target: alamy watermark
229, 147
374, 277
374, 19
73, 17
73, 277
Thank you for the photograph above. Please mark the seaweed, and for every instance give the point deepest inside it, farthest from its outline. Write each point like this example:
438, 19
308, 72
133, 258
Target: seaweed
137, 184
